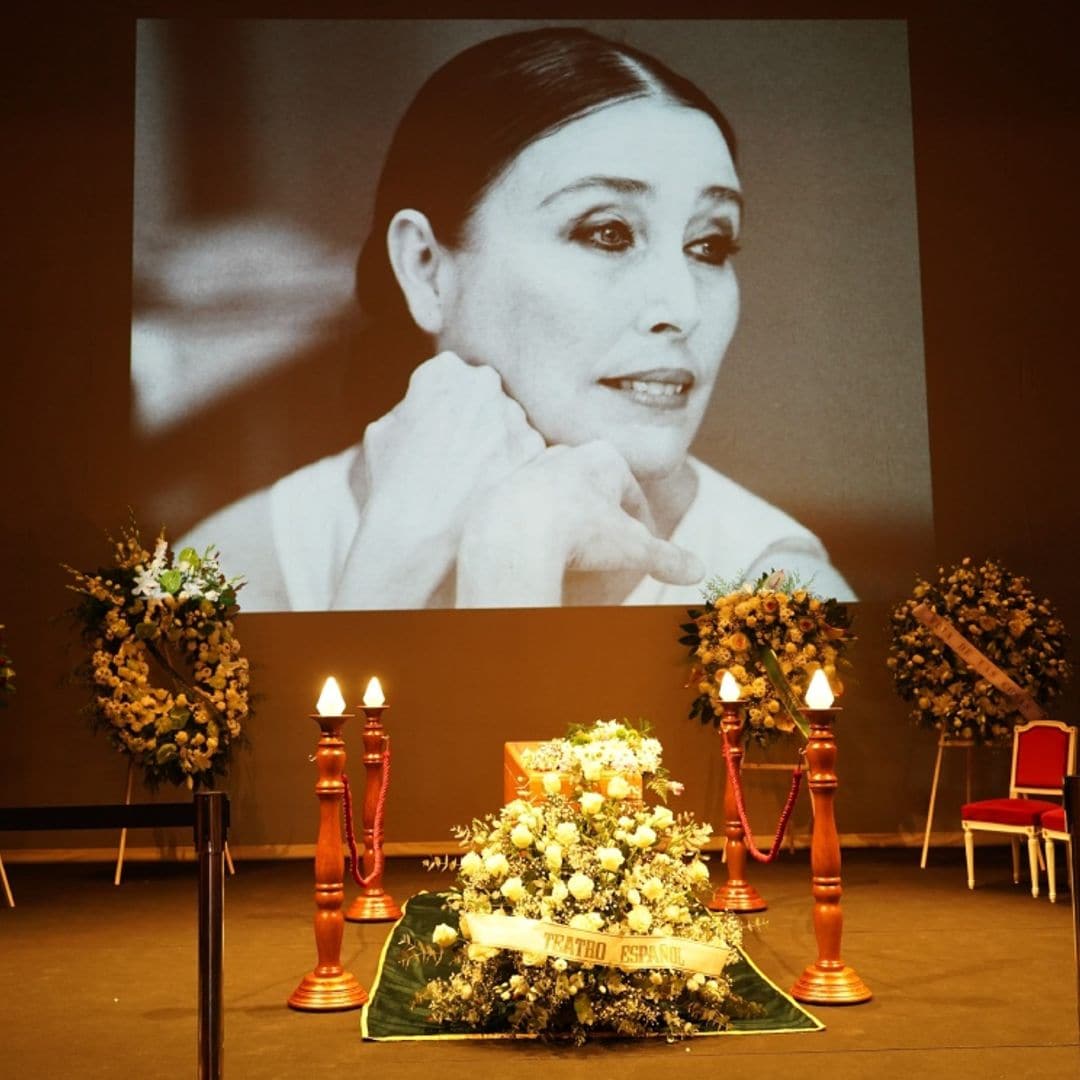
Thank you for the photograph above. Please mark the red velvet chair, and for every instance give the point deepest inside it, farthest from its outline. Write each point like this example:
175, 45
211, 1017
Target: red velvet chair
1053, 828
1044, 753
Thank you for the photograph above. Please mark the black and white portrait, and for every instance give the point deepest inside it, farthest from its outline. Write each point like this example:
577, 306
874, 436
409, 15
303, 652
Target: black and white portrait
519, 314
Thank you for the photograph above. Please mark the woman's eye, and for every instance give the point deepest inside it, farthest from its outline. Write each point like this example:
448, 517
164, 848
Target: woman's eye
715, 249
606, 235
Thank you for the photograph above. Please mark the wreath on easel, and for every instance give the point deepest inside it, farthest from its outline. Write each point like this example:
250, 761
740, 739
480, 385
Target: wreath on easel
169, 684
771, 635
974, 650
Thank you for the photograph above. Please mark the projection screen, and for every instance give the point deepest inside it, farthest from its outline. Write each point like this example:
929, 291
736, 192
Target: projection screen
644, 361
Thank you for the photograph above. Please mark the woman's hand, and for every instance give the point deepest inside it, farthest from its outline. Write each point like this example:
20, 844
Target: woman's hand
571, 508
452, 437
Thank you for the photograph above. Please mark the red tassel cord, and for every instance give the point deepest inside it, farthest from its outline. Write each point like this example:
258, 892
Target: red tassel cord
377, 829
785, 814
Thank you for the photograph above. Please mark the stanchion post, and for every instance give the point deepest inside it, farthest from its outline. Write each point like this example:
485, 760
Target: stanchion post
211, 827
1072, 819
736, 894
828, 981
329, 986
374, 904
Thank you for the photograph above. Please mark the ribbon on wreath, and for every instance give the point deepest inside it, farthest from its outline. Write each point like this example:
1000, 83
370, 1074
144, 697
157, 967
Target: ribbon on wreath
628, 952
943, 629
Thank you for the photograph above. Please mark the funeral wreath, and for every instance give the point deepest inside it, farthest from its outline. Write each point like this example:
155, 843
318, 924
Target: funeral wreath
971, 645
169, 683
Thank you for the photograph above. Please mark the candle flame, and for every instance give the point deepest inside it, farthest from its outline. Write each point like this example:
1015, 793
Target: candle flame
331, 703
729, 688
373, 695
819, 693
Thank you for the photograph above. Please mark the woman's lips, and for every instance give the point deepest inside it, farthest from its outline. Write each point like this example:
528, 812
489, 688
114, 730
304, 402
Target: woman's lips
658, 388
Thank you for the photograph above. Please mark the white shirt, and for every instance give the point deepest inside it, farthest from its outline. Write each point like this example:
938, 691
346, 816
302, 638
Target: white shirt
290, 540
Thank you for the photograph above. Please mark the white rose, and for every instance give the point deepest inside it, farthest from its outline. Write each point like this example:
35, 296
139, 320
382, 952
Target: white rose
699, 872
611, 858
552, 783
559, 892
471, 864
553, 857
481, 952
566, 832
513, 888
443, 935
675, 913
653, 888
591, 770
515, 809
496, 865
580, 886
591, 801
639, 920
618, 788
663, 818
580, 921
521, 837
643, 837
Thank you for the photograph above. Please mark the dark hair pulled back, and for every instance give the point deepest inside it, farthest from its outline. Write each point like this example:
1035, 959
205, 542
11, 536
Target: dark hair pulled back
476, 113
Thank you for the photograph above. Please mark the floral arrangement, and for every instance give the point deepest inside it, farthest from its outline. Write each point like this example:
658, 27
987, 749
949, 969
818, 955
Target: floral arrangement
7, 670
611, 746
170, 686
771, 635
996, 612
587, 862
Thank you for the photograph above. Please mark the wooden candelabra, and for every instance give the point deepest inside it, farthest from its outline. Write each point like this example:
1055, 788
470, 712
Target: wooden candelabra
329, 987
827, 981
736, 894
373, 904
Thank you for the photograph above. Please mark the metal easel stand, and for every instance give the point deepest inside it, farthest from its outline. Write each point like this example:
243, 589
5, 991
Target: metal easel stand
944, 742
4, 882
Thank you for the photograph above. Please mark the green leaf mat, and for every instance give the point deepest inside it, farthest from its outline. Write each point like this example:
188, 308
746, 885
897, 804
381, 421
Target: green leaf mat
390, 1015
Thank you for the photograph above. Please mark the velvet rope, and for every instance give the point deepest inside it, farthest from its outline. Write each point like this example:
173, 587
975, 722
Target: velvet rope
377, 827
785, 814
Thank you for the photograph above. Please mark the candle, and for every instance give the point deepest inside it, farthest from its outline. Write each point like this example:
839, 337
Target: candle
819, 694
729, 688
373, 695
331, 703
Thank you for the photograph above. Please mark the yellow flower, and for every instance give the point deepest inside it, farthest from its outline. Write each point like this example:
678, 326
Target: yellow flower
610, 858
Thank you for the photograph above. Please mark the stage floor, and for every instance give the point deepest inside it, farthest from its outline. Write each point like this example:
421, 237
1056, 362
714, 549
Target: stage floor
98, 981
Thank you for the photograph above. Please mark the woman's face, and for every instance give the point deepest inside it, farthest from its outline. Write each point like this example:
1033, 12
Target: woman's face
595, 277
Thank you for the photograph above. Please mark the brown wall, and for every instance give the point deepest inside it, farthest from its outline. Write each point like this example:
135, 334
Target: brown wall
995, 108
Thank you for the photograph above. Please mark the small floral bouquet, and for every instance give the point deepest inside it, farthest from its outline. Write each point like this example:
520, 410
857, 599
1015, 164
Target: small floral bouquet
772, 636
7, 670
996, 613
604, 894
605, 748
170, 686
